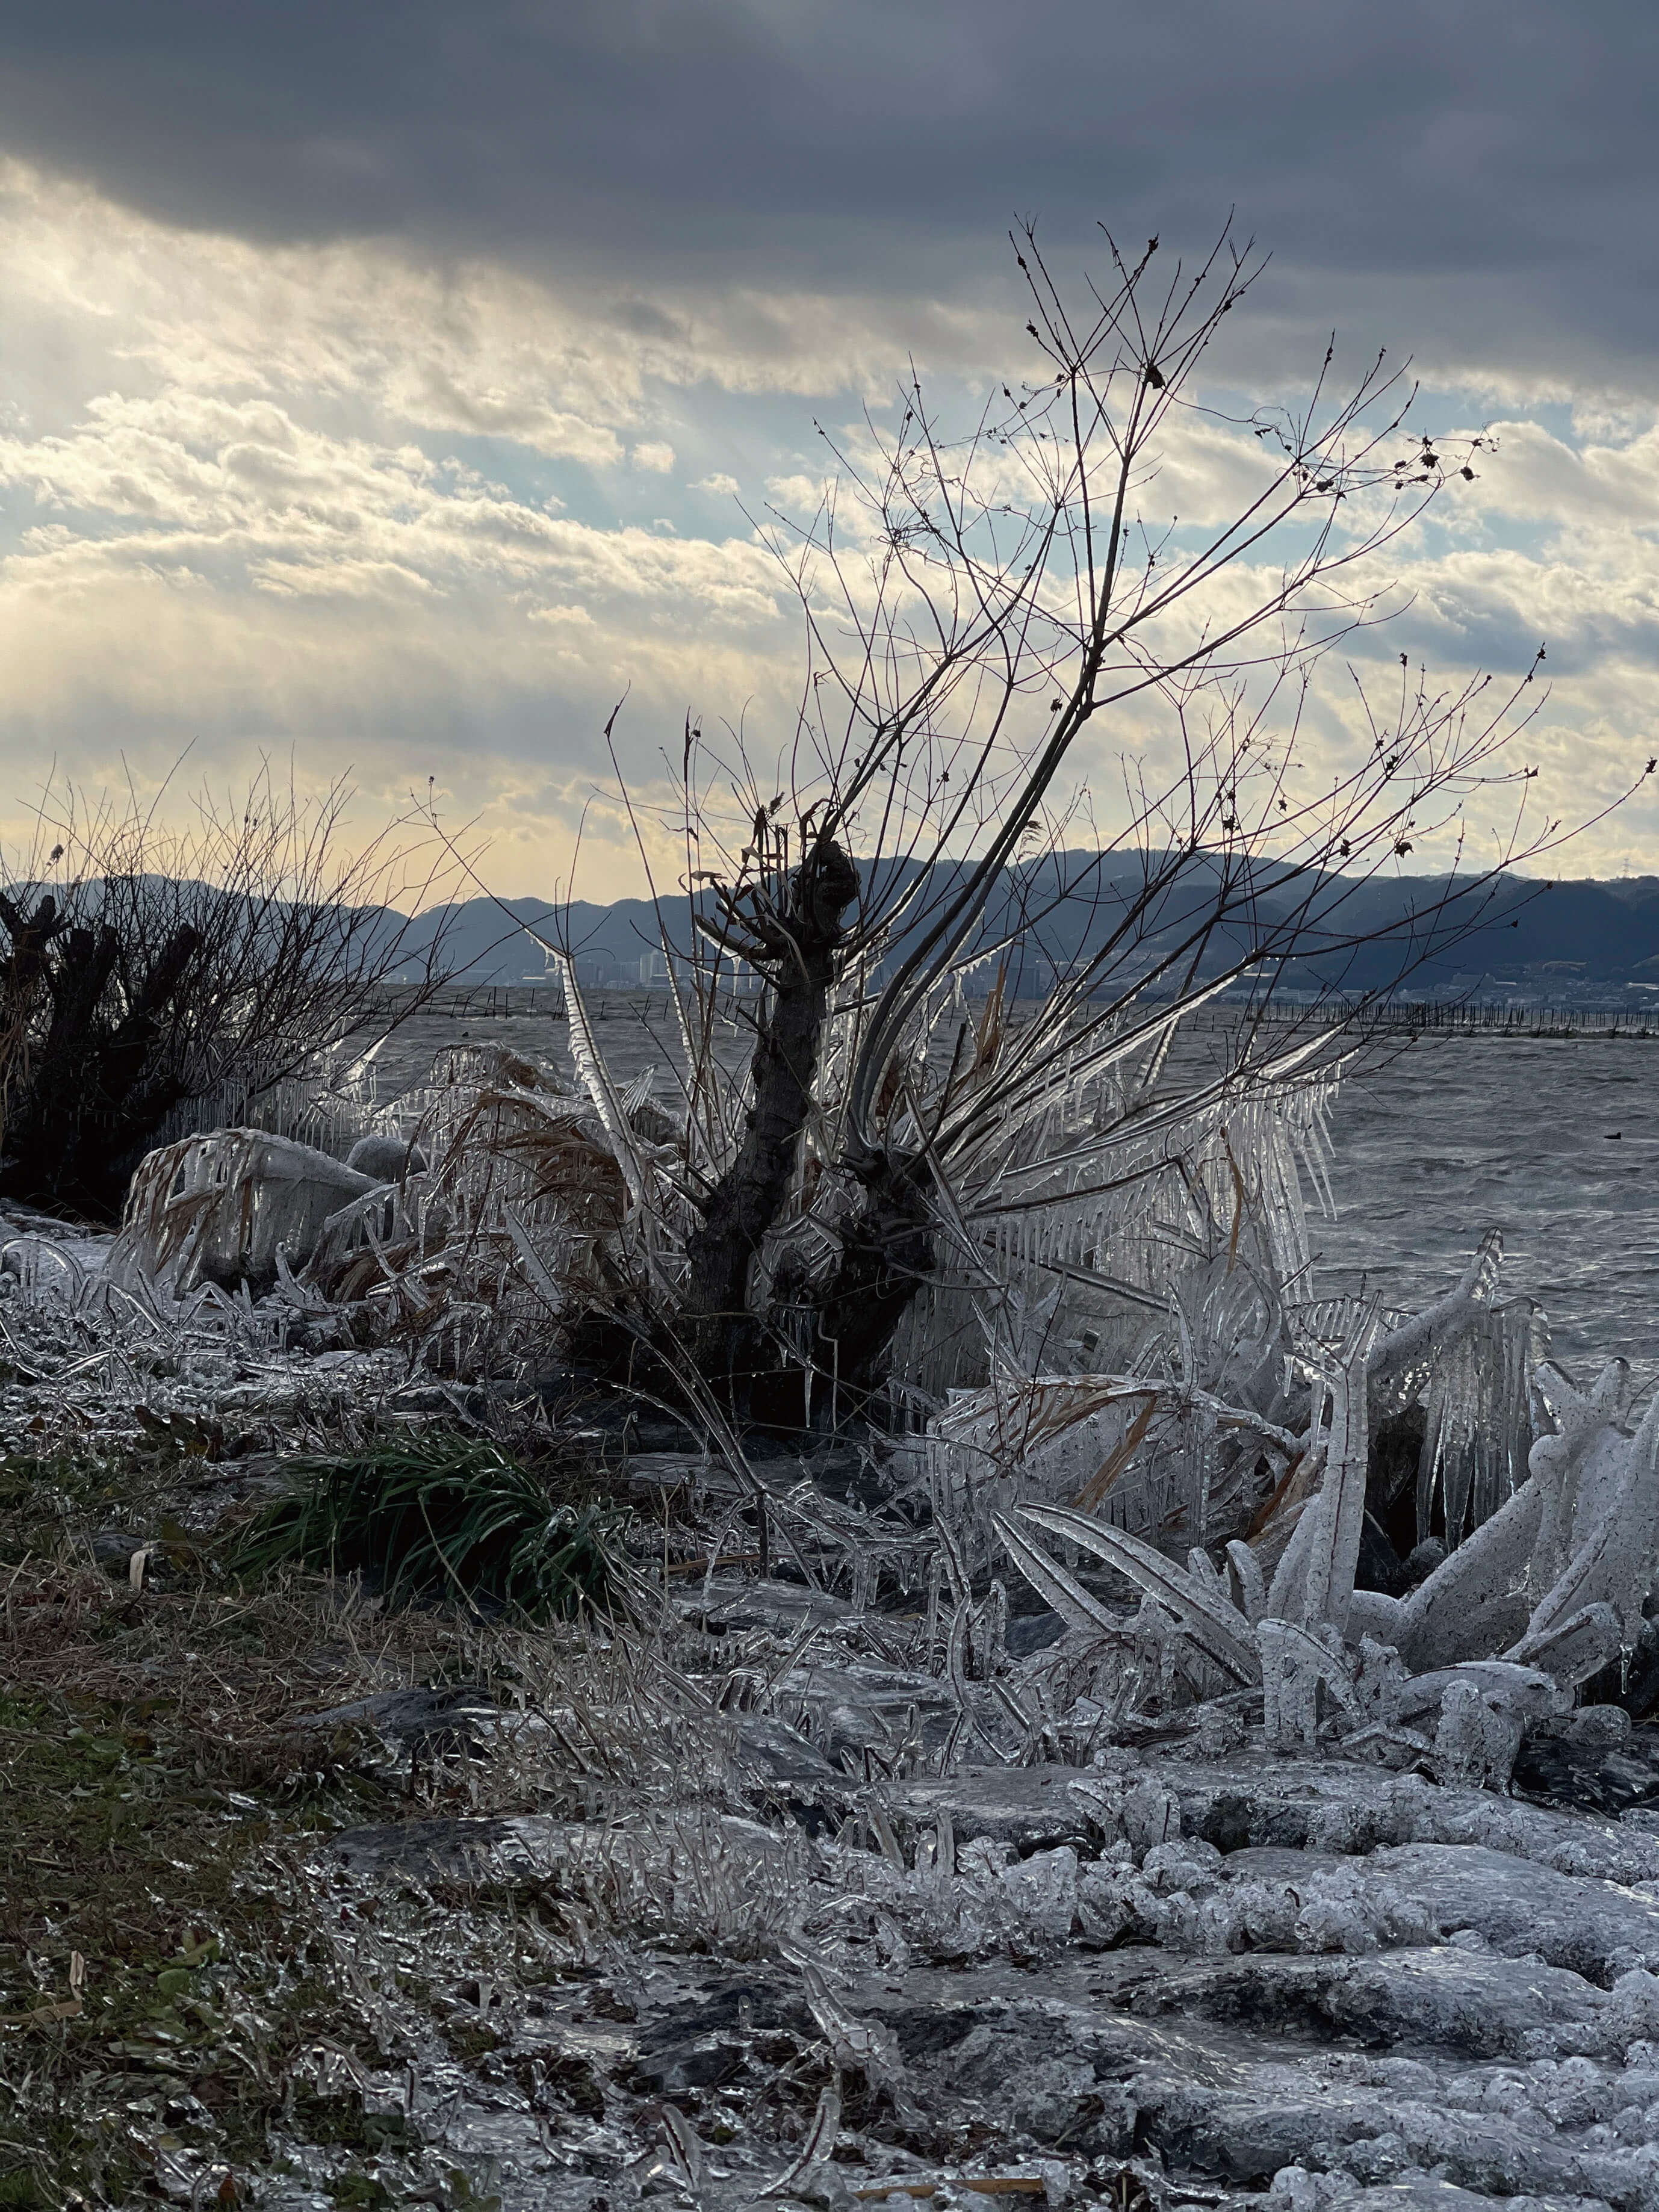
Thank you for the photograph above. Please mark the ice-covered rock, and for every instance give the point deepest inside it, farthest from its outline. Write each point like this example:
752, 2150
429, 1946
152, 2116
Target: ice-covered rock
385, 1159
219, 1207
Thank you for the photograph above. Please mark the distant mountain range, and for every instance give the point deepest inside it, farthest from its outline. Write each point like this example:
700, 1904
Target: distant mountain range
1580, 941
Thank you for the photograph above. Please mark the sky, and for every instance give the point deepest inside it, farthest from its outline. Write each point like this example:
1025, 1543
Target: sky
391, 389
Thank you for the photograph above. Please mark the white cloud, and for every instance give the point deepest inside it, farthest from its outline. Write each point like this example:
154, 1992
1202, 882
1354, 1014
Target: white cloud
275, 497
798, 494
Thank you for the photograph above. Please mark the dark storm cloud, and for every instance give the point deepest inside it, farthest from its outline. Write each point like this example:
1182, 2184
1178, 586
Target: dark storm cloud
1485, 173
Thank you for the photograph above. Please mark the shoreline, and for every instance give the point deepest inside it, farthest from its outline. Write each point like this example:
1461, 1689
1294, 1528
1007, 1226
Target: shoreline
1545, 1023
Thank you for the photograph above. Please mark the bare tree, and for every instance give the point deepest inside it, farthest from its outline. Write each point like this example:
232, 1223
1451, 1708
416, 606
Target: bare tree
974, 605
150, 971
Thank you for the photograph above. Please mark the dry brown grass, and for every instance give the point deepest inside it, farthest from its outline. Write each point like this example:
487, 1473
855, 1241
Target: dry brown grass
175, 1949
162, 1965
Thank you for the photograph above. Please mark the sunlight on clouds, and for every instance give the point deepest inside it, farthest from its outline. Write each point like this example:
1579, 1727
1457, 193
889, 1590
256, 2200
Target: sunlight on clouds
297, 499
799, 495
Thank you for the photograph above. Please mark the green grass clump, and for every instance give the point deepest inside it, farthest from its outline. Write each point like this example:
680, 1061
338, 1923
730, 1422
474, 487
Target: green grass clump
439, 1515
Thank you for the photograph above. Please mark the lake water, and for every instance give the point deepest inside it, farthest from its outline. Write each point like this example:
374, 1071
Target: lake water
1556, 1142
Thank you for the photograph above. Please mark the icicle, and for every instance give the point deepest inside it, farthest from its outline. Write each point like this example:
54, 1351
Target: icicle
1337, 1514
596, 1077
1216, 1625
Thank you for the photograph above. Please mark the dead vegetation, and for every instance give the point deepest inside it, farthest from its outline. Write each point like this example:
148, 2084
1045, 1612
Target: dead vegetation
988, 604
167, 1983
156, 981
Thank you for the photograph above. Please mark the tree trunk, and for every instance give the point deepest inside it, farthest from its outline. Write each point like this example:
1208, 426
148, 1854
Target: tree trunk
23, 974
749, 1197
129, 1047
90, 1101
887, 1253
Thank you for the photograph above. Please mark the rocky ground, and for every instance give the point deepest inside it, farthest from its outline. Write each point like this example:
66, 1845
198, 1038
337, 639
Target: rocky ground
744, 1897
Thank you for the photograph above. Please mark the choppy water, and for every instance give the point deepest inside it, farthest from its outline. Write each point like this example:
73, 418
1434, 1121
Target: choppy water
1555, 1142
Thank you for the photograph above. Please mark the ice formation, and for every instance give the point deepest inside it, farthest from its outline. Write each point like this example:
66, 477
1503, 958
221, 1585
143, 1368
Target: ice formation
1216, 1475
854, 1958
1042, 1794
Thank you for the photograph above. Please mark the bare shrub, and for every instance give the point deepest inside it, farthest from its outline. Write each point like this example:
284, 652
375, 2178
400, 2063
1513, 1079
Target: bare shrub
158, 979
976, 601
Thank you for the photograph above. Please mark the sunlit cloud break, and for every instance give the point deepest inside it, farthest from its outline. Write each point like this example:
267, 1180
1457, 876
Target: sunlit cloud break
347, 501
